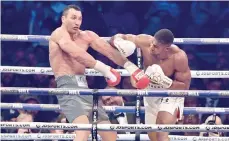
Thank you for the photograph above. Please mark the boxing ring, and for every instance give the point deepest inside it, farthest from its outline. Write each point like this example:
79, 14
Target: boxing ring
138, 127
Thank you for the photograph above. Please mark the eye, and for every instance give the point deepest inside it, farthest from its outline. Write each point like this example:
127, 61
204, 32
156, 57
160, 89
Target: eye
73, 17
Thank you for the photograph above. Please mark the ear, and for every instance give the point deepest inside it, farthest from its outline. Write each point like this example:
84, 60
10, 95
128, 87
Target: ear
63, 19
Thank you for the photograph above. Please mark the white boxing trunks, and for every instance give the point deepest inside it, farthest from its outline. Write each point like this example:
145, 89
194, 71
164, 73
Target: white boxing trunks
153, 105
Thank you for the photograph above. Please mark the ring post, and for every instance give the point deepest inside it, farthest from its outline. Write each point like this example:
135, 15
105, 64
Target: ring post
94, 116
138, 98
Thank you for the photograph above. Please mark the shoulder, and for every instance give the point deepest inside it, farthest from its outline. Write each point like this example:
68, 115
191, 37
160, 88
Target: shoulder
180, 57
90, 35
58, 34
145, 36
144, 40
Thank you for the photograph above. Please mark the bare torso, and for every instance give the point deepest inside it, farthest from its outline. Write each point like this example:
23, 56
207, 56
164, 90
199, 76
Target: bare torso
167, 65
61, 62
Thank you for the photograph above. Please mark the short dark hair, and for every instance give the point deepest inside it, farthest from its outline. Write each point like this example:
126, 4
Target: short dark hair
164, 36
65, 11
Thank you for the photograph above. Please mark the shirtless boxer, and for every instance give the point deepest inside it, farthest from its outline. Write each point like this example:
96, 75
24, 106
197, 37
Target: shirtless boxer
167, 67
68, 57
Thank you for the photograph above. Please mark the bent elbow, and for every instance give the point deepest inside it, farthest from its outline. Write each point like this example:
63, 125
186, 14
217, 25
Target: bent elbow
178, 86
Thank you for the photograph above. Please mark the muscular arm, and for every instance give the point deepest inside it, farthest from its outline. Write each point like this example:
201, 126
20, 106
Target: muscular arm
142, 40
68, 46
103, 47
183, 74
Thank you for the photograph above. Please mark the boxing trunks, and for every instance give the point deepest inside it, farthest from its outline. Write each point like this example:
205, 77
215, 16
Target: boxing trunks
153, 105
74, 106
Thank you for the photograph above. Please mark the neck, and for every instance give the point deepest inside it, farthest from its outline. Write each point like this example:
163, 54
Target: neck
72, 35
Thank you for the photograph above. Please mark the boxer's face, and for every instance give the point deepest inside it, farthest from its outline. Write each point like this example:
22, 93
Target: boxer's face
72, 20
159, 50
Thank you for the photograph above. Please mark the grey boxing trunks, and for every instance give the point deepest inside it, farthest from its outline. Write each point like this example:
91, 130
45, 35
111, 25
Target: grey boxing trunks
74, 106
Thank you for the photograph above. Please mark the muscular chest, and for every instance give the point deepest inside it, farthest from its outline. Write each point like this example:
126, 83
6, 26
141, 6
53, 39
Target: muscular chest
80, 43
166, 65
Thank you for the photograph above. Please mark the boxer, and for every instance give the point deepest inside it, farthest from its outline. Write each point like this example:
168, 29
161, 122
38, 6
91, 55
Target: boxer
167, 67
68, 59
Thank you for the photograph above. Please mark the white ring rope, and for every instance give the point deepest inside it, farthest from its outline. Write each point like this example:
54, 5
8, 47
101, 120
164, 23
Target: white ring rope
117, 109
91, 72
42, 38
116, 127
120, 137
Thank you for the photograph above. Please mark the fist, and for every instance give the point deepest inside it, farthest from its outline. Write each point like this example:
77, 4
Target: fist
139, 80
157, 76
113, 78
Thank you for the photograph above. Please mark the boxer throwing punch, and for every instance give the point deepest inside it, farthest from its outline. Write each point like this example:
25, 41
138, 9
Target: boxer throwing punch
167, 67
68, 57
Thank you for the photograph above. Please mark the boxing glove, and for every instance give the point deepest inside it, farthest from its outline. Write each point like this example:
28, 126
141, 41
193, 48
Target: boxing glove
112, 76
125, 47
138, 78
157, 76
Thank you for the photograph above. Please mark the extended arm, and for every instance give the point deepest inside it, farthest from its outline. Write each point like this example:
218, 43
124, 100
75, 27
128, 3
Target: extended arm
141, 40
69, 47
119, 57
103, 47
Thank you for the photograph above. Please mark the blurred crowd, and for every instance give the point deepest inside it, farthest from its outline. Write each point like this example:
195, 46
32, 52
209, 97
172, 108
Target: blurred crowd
185, 19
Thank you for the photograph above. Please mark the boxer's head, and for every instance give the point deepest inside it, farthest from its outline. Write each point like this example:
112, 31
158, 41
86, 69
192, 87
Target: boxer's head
162, 42
72, 18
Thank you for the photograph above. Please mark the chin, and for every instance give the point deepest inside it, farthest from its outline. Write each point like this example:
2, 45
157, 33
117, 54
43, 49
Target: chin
74, 32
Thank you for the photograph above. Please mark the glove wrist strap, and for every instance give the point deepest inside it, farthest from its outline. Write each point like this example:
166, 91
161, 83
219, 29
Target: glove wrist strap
167, 82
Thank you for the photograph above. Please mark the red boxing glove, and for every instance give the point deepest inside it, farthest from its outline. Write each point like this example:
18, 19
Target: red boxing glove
112, 76
113, 80
138, 77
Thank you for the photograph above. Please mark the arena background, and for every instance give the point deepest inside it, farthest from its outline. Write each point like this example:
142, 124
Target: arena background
185, 19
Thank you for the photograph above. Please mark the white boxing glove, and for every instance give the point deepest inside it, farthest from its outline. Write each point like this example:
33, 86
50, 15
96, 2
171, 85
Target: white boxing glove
157, 76
125, 47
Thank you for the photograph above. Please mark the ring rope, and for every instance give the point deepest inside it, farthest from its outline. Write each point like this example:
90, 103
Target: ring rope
116, 109
42, 38
115, 92
92, 72
117, 127
120, 137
